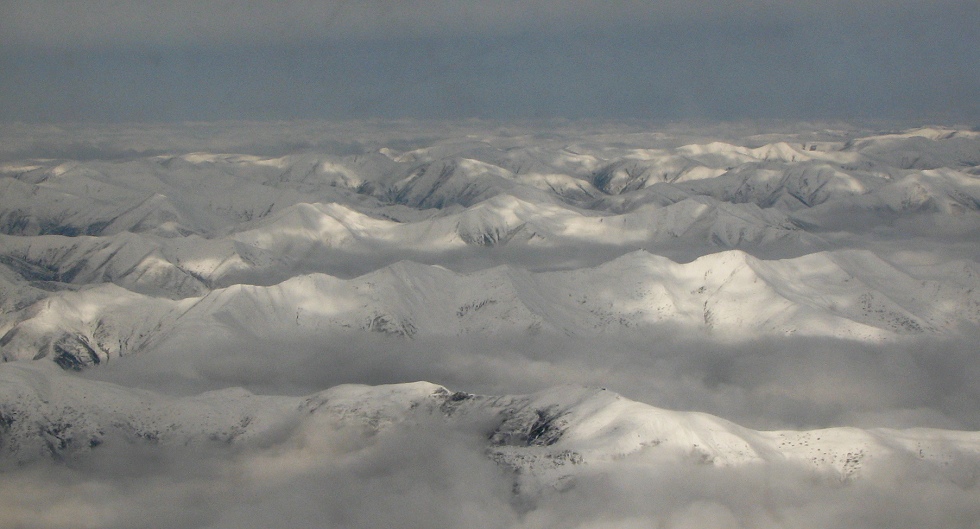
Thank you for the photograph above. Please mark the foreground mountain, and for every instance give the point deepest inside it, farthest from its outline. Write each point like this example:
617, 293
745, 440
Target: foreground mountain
544, 439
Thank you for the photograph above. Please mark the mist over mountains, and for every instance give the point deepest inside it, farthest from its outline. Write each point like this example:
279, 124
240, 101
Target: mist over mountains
284, 317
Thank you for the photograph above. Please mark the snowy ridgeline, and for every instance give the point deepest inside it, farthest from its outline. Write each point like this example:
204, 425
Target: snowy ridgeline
827, 234
847, 294
544, 439
797, 279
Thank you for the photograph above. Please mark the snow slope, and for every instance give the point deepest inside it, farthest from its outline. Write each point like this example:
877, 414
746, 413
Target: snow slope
852, 294
546, 438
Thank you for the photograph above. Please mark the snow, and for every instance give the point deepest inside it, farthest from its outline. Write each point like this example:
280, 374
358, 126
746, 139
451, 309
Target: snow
823, 294
544, 436
581, 253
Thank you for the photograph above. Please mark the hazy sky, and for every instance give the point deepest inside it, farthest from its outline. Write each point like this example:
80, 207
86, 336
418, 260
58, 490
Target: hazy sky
177, 60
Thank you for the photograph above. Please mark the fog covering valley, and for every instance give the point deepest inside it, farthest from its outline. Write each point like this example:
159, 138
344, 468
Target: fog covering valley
489, 324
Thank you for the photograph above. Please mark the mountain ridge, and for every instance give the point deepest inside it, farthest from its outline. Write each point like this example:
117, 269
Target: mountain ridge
544, 438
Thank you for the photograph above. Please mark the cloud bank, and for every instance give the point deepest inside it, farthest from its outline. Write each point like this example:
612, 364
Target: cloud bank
435, 476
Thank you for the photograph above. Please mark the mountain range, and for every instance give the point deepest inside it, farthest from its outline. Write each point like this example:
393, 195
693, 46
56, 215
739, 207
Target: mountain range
838, 240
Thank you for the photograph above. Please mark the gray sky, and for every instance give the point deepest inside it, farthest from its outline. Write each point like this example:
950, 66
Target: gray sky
178, 60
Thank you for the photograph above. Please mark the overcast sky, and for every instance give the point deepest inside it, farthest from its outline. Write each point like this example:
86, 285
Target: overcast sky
179, 60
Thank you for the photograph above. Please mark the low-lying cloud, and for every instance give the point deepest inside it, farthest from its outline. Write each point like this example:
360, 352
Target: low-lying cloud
765, 383
434, 475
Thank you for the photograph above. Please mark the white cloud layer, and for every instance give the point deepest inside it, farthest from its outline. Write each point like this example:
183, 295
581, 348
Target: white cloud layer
434, 476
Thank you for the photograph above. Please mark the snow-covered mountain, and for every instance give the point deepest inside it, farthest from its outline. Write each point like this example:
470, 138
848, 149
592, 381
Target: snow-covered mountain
543, 438
807, 233
826, 282
845, 294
